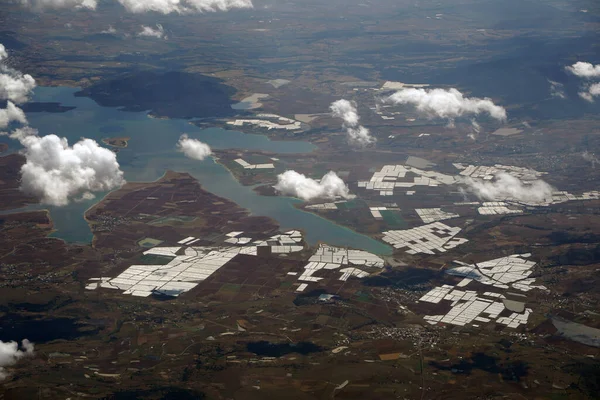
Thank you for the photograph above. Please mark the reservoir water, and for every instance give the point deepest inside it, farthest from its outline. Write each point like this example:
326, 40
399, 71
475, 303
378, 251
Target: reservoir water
152, 150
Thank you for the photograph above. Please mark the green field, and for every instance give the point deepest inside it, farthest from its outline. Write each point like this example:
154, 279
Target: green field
393, 219
149, 242
352, 204
170, 220
151, 259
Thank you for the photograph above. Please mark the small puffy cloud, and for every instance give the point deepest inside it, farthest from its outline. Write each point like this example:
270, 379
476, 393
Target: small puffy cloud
110, 31
584, 70
14, 85
55, 4
292, 183
56, 172
475, 130
446, 103
183, 6
21, 133
148, 31
508, 187
193, 148
87, 196
10, 353
357, 134
10, 114
3, 53
591, 157
141, 6
587, 70
360, 136
591, 92
557, 90
346, 111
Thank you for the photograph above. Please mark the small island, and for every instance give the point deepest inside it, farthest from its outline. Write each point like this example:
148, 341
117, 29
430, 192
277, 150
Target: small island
120, 142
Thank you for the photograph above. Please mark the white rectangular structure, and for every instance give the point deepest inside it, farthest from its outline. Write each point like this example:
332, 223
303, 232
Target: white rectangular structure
301, 287
395, 176
469, 306
188, 239
184, 271
425, 239
429, 215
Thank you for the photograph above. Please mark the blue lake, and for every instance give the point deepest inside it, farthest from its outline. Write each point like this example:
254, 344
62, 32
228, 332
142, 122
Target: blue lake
152, 150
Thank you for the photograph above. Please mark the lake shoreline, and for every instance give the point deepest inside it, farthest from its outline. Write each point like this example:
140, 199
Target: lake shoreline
152, 150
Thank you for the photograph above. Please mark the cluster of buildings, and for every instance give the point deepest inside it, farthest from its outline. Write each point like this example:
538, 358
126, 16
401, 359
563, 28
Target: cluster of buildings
425, 239
392, 177
429, 215
489, 172
467, 307
497, 208
502, 273
393, 86
563, 197
335, 258
269, 121
247, 165
376, 211
325, 206
472, 307
180, 275
190, 265
289, 242
236, 238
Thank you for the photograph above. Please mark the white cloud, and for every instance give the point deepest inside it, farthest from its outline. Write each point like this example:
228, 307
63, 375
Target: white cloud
21, 133
591, 92
10, 354
360, 136
148, 31
591, 157
346, 111
446, 103
140, 6
587, 70
357, 134
475, 130
193, 148
41, 4
10, 114
85, 197
56, 172
110, 31
557, 89
584, 70
298, 185
183, 6
14, 85
508, 187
